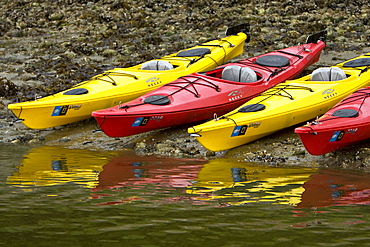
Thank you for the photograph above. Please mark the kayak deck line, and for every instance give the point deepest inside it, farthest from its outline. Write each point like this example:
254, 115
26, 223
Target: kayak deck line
79, 101
178, 83
276, 91
275, 72
201, 56
208, 94
359, 95
112, 73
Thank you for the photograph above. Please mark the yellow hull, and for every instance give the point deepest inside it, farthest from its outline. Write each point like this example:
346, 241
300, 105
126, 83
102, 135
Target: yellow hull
121, 85
287, 104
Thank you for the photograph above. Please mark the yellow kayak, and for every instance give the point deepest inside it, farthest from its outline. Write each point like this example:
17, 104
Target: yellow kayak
121, 85
284, 105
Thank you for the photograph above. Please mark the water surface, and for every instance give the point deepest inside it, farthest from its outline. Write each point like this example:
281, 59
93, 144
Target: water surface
54, 196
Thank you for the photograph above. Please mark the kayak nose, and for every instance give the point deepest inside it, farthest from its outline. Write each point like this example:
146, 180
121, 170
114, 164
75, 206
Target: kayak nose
19, 120
195, 135
193, 132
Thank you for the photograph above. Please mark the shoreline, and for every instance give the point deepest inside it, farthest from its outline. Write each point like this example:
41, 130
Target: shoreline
46, 48
279, 149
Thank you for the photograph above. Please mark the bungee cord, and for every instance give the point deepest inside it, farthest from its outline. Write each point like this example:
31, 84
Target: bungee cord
111, 80
275, 72
180, 85
277, 91
360, 94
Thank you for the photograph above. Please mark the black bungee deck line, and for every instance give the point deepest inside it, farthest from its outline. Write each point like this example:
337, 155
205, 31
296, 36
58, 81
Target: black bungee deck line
357, 95
269, 95
185, 87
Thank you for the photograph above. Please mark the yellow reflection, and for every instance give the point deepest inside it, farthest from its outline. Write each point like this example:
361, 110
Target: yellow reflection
237, 183
48, 165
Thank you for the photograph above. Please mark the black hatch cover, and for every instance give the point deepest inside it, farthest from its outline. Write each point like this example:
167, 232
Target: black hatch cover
197, 52
76, 91
157, 100
357, 62
273, 61
345, 113
252, 108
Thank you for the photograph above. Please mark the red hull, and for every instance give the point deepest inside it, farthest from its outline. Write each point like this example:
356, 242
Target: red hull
200, 96
332, 132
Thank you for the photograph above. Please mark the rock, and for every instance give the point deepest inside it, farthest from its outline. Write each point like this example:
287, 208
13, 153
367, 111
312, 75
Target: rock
7, 88
140, 145
109, 53
163, 147
65, 139
56, 16
299, 152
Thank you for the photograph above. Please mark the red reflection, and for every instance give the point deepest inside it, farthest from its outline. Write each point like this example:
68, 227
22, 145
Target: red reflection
336, 187
131, 171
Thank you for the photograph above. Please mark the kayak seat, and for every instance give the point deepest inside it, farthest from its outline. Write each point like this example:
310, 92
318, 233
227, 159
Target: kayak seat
238, 74
328, 74
156, 65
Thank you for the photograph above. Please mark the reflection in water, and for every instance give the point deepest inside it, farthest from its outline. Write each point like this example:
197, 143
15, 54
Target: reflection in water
115, 199
220, 180
143, 172
61, 196
336, 187
234, 183
137, 170
47, 166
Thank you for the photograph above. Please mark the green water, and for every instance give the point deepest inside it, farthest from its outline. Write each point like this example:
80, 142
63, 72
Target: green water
60, 197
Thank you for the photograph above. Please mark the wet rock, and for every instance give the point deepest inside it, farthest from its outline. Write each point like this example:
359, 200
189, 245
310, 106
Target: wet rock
109, 53
7, 88
15, 141
140, 146
26, 138
299, 152
65, 139
56, 16
163, 148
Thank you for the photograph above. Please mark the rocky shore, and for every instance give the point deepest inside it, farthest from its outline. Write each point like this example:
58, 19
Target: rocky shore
49, 46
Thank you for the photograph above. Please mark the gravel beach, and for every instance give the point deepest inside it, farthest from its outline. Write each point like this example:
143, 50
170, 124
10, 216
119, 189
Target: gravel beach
49, 46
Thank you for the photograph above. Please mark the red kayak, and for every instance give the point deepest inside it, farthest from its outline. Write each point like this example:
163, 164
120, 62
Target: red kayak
202, 96
346, 123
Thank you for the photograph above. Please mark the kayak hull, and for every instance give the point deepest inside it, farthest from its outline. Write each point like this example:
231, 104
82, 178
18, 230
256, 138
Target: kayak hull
282, 106
345, 124
203, 96
123, 84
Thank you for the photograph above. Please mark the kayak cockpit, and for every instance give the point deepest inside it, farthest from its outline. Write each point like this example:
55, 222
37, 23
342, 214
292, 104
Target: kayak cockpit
156, 65
328, 74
